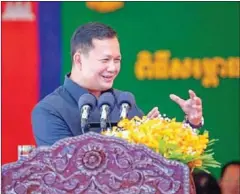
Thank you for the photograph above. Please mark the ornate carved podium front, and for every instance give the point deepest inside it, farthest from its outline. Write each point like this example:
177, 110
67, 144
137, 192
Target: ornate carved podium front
94, 164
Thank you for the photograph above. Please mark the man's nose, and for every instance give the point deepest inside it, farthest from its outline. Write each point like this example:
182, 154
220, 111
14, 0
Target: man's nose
112, 66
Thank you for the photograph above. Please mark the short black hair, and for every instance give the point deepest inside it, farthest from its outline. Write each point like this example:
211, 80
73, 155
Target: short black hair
84, 34
237, 163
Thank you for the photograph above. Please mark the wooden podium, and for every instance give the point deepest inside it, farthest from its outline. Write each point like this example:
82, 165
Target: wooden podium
94, 164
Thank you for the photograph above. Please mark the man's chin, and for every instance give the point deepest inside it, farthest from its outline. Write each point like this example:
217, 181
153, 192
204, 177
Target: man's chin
106, 86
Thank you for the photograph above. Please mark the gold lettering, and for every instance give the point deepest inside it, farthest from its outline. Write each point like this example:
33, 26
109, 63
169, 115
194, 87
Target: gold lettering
233, 67
143, 66
180, 69
160, 66
222, 65
186, 68
210, 78
175, 70
197, 70
161, 61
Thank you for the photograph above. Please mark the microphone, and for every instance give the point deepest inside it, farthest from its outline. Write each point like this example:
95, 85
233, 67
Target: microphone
86, 104
125, 101
106, 104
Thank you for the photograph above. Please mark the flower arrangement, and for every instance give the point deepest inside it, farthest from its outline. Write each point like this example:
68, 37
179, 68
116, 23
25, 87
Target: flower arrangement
104, 7
173, 140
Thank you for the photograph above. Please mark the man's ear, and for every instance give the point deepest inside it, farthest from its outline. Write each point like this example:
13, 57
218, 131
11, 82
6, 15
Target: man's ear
77, 60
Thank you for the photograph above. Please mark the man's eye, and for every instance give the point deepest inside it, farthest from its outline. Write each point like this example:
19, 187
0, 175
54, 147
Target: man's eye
105, 60
117, 60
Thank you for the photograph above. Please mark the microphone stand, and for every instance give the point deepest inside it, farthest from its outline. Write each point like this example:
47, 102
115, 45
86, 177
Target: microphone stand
98, 125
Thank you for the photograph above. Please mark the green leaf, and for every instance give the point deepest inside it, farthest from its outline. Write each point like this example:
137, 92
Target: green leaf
175, 155
208, 151
171, 146
203, 169
211, 142
162, 146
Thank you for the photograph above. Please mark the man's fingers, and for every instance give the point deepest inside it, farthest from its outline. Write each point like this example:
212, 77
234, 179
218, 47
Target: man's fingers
194, 97
177, 99
197, 107
192, 94
154, 113
197, 101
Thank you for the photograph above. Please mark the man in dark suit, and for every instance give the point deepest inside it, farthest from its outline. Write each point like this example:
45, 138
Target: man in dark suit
96, 61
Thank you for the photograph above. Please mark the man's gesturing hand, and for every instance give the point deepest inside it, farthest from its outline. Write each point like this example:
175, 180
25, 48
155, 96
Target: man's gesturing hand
192, 107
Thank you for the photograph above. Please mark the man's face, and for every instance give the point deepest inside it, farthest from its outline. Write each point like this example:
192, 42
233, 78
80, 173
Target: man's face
101, 65
230, 182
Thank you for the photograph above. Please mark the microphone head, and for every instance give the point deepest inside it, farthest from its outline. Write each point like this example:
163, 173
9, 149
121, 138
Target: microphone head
87, 99
106, 98
126, 97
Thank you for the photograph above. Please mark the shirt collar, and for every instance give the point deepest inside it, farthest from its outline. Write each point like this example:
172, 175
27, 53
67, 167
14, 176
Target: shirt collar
75, 90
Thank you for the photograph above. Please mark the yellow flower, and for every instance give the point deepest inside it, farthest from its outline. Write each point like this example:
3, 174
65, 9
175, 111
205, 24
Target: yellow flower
167, 137
195, 163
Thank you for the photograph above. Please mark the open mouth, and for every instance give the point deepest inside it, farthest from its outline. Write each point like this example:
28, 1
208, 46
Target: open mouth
108, 78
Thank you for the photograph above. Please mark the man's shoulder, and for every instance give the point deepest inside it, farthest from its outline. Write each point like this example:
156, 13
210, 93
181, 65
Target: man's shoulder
117, 92
52, 100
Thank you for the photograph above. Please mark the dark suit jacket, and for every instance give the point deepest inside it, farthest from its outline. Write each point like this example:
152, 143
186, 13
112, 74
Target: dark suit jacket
57, 116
